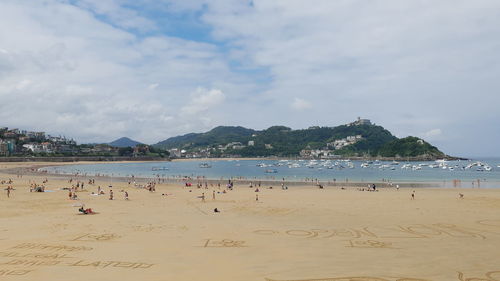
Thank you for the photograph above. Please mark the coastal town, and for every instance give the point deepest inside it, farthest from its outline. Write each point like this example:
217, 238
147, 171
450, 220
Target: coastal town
21, 143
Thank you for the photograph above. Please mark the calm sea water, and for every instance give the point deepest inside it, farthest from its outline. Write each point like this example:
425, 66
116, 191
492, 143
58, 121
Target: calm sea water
444, 174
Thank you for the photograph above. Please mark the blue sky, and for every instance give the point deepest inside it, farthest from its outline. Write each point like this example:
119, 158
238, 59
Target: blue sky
97, 70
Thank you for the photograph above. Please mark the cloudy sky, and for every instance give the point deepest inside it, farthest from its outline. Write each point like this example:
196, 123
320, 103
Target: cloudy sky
96, 70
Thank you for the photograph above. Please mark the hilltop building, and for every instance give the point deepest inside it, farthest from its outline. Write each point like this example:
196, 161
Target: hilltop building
360, 121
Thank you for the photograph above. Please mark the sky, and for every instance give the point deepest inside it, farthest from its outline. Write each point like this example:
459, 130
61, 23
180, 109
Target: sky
97, 70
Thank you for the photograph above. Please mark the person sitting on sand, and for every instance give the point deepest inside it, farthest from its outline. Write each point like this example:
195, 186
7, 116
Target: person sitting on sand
216, 210
461, 196
85, 211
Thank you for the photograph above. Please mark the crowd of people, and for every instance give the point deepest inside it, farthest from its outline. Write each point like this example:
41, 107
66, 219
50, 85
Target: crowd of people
217, 188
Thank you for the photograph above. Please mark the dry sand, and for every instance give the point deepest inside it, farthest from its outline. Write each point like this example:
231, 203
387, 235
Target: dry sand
301, 233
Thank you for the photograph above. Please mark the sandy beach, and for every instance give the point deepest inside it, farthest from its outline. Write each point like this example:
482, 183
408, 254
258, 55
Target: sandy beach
302, 233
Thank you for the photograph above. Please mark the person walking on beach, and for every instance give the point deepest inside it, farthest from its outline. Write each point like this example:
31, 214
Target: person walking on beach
413, 195
110, 194
213, 195
203, 197
256, 197
126, 195
8, 191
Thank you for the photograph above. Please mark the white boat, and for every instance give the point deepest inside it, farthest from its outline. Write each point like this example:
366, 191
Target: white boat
406, 166
159, 169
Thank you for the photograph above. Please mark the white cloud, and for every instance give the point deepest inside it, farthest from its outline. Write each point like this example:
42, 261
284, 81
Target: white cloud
202, 100
300, 104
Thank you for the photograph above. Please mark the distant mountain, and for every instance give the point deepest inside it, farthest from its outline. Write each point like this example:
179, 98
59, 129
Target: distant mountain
124, 142
354, 139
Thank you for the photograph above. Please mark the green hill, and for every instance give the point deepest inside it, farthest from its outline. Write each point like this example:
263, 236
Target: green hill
218, 135
410, 147
345, 140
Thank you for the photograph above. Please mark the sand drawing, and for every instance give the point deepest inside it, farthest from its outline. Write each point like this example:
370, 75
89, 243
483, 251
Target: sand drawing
266, 231
224, 243
414, 231
82, 263
27, 263
148, 228
34, 255
490, 276
96, 237
50, 248
355, 278
119, 264
489, 222
369, 244
18, 272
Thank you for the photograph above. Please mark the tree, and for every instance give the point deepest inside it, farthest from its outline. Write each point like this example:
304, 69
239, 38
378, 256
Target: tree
125, 151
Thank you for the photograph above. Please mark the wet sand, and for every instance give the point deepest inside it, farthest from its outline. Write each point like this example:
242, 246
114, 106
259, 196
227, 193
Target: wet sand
302, 233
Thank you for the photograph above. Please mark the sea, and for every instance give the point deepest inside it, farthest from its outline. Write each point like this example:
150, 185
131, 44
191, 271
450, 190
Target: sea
484, 173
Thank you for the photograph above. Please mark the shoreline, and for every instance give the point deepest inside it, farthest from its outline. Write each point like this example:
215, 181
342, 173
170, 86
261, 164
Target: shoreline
34, 170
